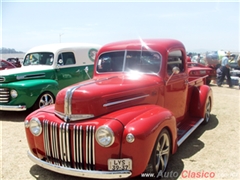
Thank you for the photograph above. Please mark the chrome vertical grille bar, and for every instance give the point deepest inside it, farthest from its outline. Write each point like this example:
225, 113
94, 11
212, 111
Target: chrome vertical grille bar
81, 147
56, 143
90, 148
68, 146
87, 147
46, 139
52, 138
61, 143
93, 148
75, 147
64, 144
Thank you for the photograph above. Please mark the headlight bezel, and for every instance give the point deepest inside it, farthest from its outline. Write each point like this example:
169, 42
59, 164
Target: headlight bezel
109, 136
35, 126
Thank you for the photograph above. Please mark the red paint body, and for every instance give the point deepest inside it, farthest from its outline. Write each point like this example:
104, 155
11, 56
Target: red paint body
168, 101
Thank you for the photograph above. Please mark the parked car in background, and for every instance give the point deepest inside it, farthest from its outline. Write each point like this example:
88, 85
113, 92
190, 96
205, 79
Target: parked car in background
6, 65
197, 69
46, 69
140, 105
15, 61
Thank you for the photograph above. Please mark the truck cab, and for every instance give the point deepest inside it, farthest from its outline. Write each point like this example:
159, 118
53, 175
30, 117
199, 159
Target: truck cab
140, 105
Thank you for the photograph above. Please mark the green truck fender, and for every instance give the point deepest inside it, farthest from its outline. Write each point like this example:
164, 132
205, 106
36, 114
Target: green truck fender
30, 90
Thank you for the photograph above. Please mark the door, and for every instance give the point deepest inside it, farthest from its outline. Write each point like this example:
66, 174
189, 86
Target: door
175, 98
69, 72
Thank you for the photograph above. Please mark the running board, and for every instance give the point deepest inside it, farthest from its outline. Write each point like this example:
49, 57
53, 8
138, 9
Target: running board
180, 141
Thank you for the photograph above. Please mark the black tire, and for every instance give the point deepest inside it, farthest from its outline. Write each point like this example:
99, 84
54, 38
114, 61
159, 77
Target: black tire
160, 154
208, 81
207, 115
43, 100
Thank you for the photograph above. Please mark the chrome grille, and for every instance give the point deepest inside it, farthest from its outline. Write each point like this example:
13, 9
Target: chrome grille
4, 95
60, 151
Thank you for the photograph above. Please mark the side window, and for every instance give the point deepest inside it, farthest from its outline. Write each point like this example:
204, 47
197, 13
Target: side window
175, 59
66, 58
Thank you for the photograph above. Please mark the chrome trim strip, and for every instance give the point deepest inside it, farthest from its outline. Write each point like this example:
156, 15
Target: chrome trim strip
31, 76
78, 172
180, 141
74, 117
13, 108
123, 101
2, 79
68, 97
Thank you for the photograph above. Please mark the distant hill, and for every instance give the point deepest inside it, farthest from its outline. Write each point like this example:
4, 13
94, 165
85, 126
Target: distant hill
9, 51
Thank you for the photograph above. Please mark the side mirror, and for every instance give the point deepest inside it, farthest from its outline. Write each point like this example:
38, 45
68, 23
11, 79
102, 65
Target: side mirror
86, 71
175, 70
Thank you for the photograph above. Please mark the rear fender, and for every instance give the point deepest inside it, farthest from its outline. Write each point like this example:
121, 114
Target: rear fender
146, 128
198, 100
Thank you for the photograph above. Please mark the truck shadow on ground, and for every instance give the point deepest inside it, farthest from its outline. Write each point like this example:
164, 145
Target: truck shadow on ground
14, 116
175, 168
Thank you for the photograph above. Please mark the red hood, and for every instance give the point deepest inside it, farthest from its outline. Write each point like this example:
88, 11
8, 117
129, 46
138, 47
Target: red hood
99, 96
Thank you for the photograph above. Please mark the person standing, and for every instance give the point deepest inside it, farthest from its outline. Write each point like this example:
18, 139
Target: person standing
198, 58
225, 72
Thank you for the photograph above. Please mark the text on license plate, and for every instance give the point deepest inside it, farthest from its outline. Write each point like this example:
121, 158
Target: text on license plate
119, 164
202, 72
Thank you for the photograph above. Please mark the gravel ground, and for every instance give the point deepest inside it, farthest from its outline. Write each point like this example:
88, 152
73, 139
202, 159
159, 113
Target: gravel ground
212, 151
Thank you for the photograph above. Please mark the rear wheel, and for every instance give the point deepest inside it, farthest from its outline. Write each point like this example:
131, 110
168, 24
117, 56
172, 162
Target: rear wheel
160, 154
44, 99
207, 111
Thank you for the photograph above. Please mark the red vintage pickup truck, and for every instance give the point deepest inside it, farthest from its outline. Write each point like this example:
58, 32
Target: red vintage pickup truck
139, 107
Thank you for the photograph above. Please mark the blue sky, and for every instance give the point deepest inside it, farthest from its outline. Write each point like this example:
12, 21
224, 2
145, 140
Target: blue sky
199, 25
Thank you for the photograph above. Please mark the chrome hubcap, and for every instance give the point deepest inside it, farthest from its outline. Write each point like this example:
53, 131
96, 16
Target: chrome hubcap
207, 114
46, 100
162, 153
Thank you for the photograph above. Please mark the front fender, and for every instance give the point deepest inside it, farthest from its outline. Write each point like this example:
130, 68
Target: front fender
198, 100
29, 90
145, 126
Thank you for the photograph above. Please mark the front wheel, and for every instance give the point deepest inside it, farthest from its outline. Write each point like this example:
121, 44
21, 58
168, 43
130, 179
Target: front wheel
160, 154
44, 99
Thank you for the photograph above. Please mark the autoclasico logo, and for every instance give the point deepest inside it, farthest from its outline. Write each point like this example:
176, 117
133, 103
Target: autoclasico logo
186, 174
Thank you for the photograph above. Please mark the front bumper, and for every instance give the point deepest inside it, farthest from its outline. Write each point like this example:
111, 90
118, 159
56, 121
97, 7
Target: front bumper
80, 172
13, 108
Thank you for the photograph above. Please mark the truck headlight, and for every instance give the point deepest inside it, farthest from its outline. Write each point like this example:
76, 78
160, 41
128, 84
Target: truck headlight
104, 136
13, 93
35, 126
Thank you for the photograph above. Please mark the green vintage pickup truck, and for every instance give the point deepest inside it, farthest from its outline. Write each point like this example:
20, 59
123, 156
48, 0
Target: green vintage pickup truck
45, 70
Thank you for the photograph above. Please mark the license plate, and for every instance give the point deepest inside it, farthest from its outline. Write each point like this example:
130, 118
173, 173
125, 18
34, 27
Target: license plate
119, 164
202, 72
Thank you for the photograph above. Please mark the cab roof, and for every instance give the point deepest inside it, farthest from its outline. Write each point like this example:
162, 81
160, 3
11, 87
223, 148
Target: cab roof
61, 46
135, 44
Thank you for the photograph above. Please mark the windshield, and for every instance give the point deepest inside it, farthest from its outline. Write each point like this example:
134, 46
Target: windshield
125, 61
39, 58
